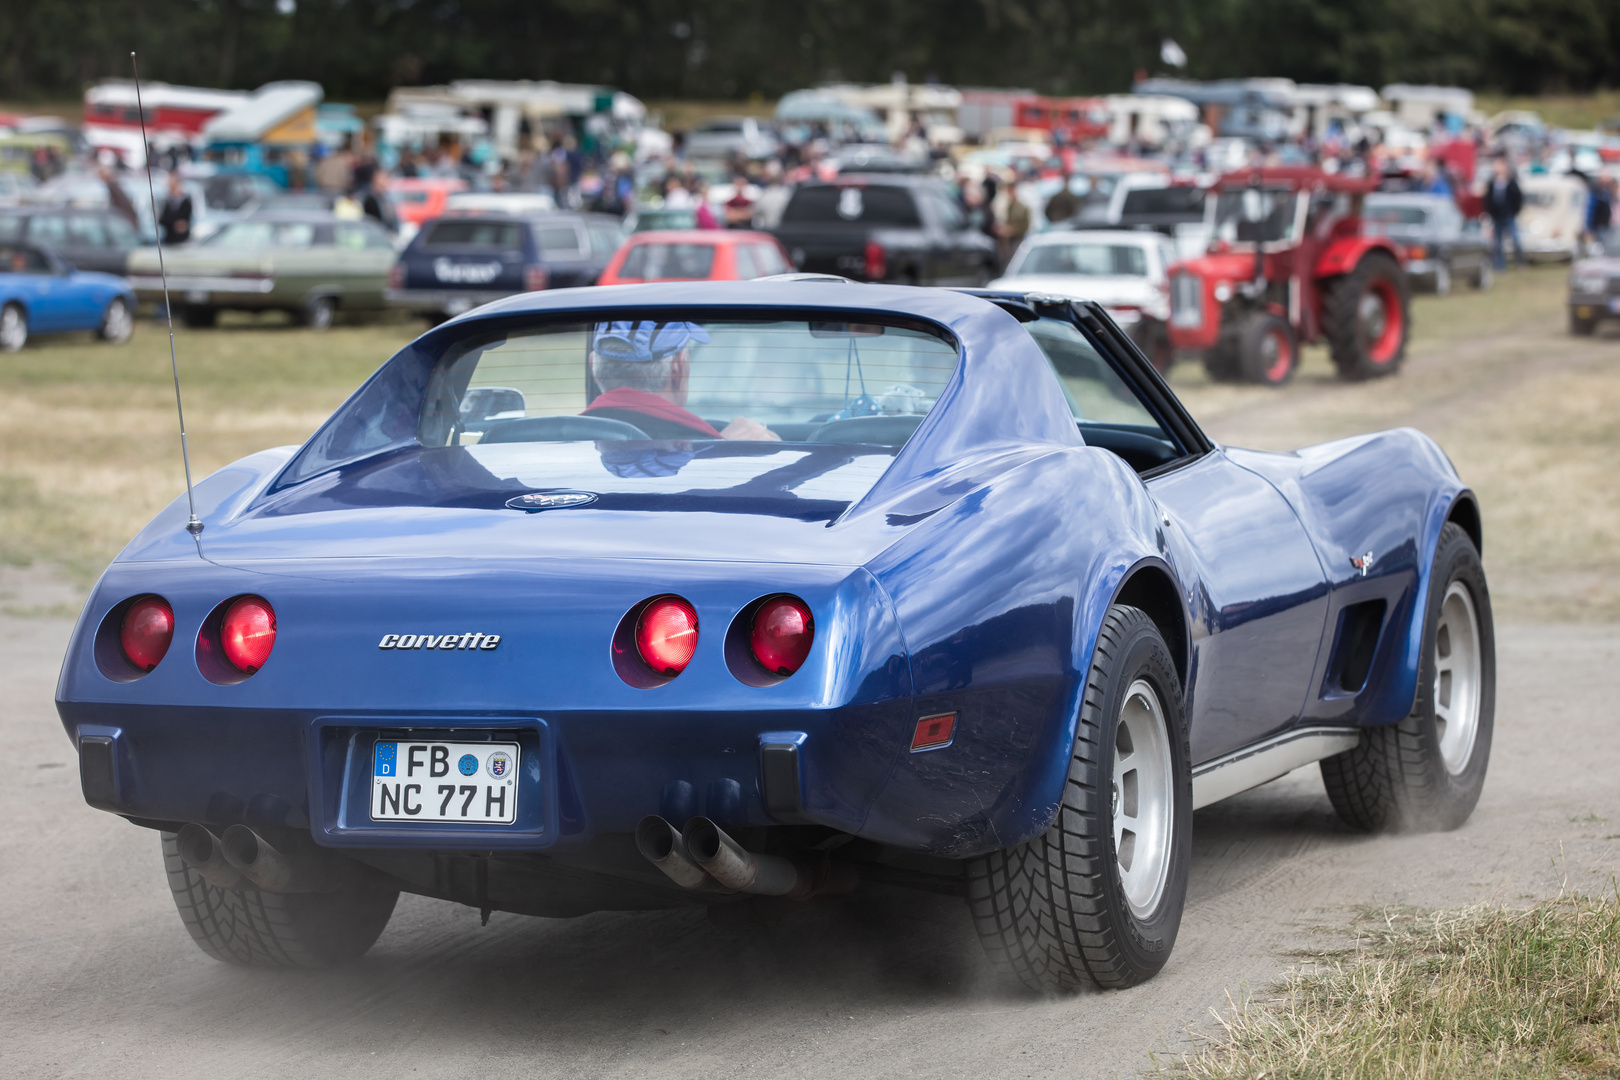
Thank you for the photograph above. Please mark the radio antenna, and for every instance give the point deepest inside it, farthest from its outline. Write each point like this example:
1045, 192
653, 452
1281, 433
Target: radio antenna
194, 524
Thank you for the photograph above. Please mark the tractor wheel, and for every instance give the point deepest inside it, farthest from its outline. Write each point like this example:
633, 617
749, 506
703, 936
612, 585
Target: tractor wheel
1367, 315
1268, 351
1223, 360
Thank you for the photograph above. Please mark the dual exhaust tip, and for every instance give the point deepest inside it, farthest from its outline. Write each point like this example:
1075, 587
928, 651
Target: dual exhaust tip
240, 856
702, 857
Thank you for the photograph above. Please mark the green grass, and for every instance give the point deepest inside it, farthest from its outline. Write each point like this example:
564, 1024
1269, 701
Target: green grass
1480, 993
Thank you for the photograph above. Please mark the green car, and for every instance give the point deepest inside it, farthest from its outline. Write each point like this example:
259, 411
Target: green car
309, 264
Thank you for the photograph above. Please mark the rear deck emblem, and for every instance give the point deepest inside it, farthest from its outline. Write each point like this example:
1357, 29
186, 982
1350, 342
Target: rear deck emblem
551, 500
1362, 563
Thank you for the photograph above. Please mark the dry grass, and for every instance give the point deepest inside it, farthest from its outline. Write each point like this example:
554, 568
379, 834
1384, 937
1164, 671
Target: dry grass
89, 447
1483, 992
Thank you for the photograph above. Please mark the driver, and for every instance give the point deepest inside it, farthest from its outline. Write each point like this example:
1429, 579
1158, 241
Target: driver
643, 368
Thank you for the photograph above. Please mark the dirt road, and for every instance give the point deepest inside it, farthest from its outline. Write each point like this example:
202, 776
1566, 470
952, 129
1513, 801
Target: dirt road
97, 977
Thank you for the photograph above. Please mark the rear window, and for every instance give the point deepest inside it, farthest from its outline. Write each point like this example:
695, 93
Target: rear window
654, 262
483, 235
1103, 260
559, 239
850, 204
1170, 200
260, 234
787, 380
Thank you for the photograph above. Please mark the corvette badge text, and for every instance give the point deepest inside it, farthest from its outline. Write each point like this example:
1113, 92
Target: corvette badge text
485, 642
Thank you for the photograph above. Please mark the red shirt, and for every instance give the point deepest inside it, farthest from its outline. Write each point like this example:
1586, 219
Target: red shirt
630, 400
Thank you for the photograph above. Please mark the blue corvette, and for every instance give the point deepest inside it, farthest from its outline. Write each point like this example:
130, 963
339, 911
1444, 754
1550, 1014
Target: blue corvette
40, 293
746, 594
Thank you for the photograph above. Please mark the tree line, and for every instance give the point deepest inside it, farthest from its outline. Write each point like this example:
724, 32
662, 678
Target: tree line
732, 49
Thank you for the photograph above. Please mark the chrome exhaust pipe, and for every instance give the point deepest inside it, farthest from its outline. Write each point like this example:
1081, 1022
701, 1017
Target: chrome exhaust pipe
660, 843
275, 871
201, 850
735, 867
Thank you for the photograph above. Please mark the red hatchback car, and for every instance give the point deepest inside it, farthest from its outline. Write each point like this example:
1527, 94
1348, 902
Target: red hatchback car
696, 255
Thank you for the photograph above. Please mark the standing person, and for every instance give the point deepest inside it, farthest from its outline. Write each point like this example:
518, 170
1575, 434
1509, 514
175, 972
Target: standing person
1599, 211
375, 201
117, 201
175, 219
700, 199
1503, 201
1063, 204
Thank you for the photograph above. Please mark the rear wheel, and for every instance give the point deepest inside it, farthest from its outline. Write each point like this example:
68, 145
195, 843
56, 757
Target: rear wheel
13, 328
1153, 337
1268, 352
317, 312
1427, 771
1442, 279
1367, 315
263, 929
118, 322
1098, 897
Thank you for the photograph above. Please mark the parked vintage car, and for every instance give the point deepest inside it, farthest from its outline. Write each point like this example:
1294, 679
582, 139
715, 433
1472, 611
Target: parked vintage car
746, 593
1440, 245
1127, 272
1553, 221
311, 265
467, 259
1594, 293
696, 255
885, 227
96, 240
40, 293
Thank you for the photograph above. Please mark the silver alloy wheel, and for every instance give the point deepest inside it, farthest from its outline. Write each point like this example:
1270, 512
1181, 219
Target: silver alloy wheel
1143, 798
1370, 312
119, 323
13, 328
1457, 675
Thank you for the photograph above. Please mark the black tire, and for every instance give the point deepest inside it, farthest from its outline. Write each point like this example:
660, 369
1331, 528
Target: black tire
1268, 351
1582, 327
1485, 276
198, 316
1359, 350
318, 312
1398, 777
1153, 338
117, 322
262, 929
1223, 360
13, 327
1053, 911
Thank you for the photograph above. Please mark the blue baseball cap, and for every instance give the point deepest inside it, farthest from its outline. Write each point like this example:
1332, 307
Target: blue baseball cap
646, 341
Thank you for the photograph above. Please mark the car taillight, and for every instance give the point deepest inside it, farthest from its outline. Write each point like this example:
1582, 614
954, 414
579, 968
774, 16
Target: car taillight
247, 633
667, 634
396, 276
877, 261
147, 631
535, 278
782, 633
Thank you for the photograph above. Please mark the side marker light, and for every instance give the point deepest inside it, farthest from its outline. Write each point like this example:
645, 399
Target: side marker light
934, 732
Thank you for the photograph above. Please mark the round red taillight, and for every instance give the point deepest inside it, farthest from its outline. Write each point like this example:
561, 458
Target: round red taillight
667, 634
782, 633
147, 631
247, 633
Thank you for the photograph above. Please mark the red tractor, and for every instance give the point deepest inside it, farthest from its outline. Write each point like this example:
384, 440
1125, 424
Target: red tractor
1289, 263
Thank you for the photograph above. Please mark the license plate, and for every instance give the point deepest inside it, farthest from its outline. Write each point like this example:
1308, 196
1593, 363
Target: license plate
197, 296
444, 781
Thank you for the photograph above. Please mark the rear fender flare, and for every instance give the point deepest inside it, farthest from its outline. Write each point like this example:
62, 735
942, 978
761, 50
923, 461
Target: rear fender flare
1343, 254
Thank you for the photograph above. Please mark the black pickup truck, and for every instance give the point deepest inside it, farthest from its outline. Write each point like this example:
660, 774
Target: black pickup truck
900, 229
